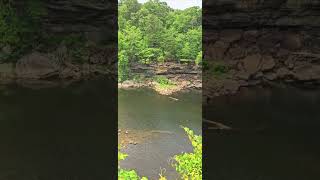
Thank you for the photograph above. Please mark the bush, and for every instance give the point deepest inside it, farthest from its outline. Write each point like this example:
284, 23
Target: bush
123, 66
21, 33
10, 25
198, 60
162, 80
189, 165
218, 69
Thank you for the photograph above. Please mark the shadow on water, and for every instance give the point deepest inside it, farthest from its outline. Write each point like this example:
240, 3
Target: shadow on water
146, 111
58, 133
277, 136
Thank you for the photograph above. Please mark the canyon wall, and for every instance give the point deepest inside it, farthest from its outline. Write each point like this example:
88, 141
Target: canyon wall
96, 18
260, 41
59, 40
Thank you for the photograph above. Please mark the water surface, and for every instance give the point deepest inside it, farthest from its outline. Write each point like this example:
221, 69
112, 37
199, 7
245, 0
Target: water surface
276, 137
58, 133
144, 110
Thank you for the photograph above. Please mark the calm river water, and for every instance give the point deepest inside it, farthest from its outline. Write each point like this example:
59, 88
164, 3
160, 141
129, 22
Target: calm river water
144, 111
58, 133
276, 135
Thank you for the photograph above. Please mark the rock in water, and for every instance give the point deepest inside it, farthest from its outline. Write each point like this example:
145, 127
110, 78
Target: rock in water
35, 66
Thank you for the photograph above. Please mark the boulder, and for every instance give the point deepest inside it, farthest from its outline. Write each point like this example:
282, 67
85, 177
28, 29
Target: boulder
250, 35
267, 63
230, 36
7, 49
231, 86
217, 50
283, 72
242, 75
292, 41
236, 53
251, 63
307, 72
36, 66
270, 76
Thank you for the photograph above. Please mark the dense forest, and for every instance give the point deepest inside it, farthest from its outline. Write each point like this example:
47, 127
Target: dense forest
153, 33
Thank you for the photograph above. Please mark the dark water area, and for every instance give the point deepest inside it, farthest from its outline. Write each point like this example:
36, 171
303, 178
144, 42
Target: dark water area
275, 137
144, 110
58, 133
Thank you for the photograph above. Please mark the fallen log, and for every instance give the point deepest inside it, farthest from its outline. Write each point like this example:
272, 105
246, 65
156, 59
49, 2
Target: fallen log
174, 98
219, 125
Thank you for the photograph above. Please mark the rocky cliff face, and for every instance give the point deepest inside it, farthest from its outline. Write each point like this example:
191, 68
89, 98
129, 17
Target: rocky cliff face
74, 39
261, 41
95, 18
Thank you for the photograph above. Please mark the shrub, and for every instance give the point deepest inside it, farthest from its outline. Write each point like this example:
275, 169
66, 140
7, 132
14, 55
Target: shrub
198, 60
217, 69
162, 80
21, 33
189, 165
123, 66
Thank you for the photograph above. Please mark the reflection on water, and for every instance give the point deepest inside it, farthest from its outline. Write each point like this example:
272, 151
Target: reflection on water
57, 133
146, 111
277, 137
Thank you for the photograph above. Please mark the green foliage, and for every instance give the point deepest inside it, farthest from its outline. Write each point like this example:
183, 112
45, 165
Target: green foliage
122, 156
77, 47
199, 58
127, 175
150, 54
189, 165
218, 69
123, 66
36, 9
21, 33
162, 80
10, 26
154, 32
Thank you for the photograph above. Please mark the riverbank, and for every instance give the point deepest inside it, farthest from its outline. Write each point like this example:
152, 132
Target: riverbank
165, 78
37, 70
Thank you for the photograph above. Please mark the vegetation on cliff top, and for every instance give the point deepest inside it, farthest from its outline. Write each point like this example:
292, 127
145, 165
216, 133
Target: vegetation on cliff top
18, 34
23, 31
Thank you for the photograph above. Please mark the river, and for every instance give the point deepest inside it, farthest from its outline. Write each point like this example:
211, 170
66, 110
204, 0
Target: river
142, 112
275, 137
58, 133
65, 132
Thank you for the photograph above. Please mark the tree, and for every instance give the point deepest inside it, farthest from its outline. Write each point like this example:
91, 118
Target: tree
154, 32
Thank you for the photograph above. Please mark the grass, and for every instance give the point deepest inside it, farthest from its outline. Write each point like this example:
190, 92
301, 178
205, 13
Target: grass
215, 69
164, 83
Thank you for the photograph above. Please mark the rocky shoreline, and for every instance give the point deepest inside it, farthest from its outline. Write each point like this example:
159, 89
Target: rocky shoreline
38, 70
183, 77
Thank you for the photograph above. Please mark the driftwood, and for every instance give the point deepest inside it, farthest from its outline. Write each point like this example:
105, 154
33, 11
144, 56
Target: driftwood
217, 124
174, 98
162, 132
